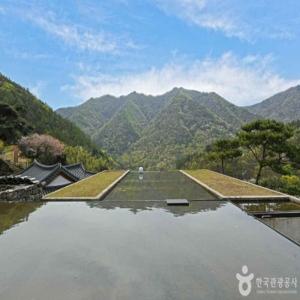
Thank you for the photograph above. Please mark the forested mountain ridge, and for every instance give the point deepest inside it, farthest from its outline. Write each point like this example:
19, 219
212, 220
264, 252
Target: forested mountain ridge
182, 126
156, 130
284, 106
36, 116
122, 130
92, 114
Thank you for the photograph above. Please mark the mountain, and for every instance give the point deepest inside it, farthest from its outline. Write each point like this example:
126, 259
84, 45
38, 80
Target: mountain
22, 113
184, 123
122, 130
156, 130
116, 123
93, 114
284, 106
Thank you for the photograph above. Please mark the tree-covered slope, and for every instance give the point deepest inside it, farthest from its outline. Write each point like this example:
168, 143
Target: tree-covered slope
185, 124
92, 114
284, 106
230, 113
38, 116
12, 125
95, 113
124, 128
157, 129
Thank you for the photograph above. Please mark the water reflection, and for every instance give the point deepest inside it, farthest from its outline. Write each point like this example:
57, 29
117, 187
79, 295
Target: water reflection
158, 186
140, 206
15, 213
287, 226
269, 206
96, 250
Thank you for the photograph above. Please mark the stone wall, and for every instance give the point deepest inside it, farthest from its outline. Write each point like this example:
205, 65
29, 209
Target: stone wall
22, 193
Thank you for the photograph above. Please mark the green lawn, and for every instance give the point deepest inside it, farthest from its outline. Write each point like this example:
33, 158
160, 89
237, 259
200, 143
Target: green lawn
229, 186
87, 188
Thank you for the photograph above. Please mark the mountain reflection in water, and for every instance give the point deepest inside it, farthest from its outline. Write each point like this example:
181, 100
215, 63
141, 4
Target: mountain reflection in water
177, 210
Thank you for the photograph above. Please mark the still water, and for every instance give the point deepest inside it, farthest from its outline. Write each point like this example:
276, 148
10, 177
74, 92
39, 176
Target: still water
158, 186
289, 227
136, 250
269, 206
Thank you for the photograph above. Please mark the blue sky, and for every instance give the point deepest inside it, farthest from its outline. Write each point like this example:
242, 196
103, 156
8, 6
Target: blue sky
68, 51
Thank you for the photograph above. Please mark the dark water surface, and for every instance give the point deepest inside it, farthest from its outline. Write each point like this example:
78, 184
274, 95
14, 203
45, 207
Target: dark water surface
158, 186
136, 250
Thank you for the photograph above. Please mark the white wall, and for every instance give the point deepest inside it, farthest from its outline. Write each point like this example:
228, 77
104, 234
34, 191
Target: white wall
59, 180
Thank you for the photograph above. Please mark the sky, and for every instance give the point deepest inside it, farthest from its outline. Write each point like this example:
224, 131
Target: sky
66, 52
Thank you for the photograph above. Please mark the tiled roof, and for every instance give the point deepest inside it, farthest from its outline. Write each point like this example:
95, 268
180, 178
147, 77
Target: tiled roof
78, 170
46, 173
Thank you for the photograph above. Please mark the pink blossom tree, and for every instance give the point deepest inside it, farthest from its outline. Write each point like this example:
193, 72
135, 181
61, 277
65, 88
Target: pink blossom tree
43, 147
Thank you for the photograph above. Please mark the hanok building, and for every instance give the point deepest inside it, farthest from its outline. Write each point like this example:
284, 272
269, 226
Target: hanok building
55, 176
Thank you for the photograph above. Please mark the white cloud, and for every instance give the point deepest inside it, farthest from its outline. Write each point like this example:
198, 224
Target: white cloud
73, 35
246, 20
242, 81
209, 14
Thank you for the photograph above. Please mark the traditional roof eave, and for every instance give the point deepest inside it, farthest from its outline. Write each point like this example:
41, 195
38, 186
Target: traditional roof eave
60, 170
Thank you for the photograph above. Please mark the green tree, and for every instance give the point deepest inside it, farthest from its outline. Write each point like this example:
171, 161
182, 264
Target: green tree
267, 140
91, 163
294, 149
224, 150
12, 125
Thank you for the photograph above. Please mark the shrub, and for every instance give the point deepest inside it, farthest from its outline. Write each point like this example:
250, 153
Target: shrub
90, 162
290, 184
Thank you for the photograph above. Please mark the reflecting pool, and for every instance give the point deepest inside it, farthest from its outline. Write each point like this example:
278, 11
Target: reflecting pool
290, 227
269, 206
137, 250
158, 186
